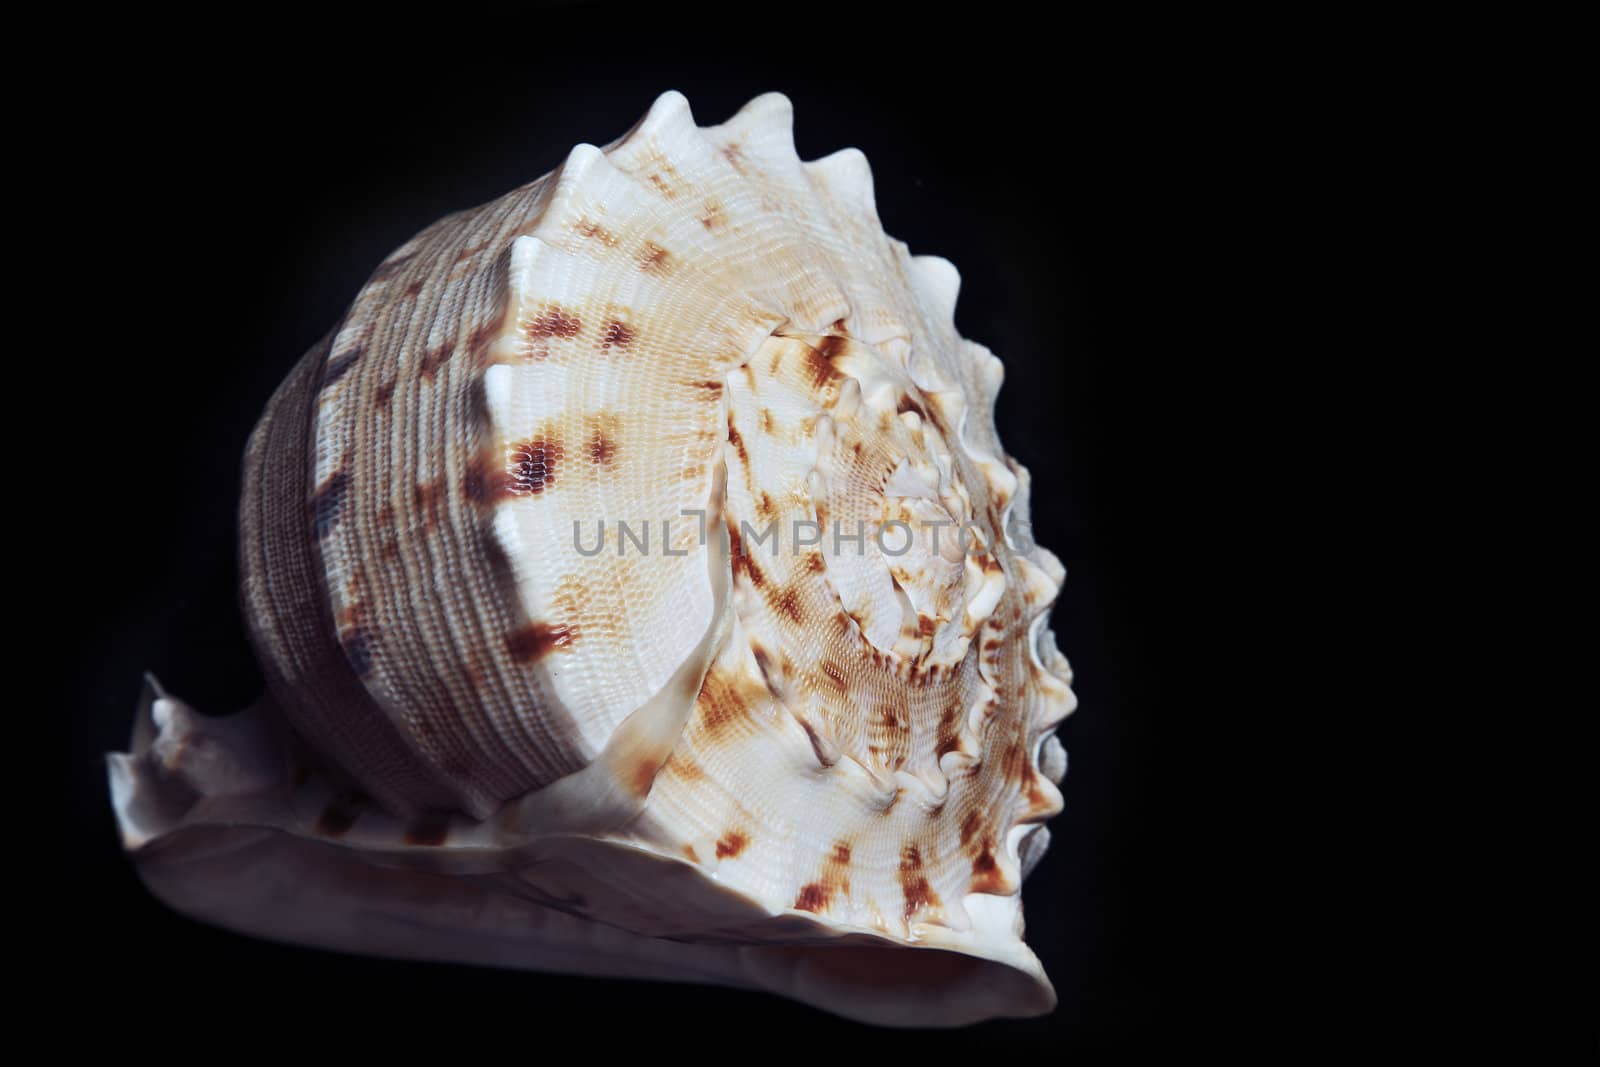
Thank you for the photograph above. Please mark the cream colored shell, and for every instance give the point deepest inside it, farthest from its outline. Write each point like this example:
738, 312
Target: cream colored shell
815, 756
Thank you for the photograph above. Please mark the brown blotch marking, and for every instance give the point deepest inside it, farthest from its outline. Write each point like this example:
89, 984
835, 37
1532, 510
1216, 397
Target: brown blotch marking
832, 672
383, 394
890, 714
683, 767
618, 335
653, 259
429, 499
970, 826
340, 365
788, 603
436, 357
484, 482
601, 449
535, 640
842, 623
766, 421
748, 564
814, 897
820, 371
1014, 765
714, 217
719, 704
414, 288
731, 844
986, 876
342, 812
554, 322
482, 337
1037, 801
818, 895
817, 748
429, 828
815, 563
468, 253
926, 625
764, 664
661, 184
914, 884
588, 228
688, 850
764, 506
709, 386
601, 446
736, 439
908, 404
531, 465
949, 731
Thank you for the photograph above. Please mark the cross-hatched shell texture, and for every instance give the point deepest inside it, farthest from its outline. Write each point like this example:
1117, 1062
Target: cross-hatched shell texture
642, 589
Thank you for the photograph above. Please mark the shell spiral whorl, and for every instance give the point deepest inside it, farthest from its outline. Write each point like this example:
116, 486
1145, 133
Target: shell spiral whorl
643, 538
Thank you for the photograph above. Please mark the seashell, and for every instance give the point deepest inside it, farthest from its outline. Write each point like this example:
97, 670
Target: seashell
642, 589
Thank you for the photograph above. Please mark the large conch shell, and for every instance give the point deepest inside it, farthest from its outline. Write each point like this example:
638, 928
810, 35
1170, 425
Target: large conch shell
594, 562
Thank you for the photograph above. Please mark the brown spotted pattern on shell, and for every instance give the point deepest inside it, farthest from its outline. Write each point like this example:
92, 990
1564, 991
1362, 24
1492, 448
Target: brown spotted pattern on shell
638, 561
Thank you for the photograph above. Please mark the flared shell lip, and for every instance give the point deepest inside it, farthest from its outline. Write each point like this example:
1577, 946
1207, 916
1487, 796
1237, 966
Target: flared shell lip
159, 817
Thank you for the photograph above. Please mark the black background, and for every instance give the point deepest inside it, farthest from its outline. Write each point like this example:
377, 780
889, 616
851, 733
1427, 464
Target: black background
238, 194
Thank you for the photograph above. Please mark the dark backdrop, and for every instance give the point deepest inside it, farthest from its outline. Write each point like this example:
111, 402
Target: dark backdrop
239, 193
